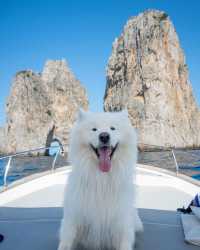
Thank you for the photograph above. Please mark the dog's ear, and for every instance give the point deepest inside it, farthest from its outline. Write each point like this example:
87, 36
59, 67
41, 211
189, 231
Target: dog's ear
81, 114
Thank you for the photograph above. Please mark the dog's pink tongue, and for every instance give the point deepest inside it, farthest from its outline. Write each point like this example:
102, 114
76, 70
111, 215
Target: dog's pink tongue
104, 159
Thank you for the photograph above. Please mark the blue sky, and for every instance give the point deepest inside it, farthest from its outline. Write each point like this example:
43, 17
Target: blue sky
82, 32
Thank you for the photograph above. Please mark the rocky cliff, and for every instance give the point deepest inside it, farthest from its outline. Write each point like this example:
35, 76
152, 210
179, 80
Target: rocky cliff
147, 73
42, 106
2, 139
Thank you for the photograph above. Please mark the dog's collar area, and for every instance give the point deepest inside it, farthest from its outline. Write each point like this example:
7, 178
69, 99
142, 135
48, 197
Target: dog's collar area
113, 149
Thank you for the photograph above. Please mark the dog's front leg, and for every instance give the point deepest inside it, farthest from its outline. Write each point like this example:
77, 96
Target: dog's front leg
67, 235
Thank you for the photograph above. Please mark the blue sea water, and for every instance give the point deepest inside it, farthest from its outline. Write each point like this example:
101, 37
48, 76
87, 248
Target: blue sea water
197, 176
2, 164
190, 167
24, 166
14, 173
188, 161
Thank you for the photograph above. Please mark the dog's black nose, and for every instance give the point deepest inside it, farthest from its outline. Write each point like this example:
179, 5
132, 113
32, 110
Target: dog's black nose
104, 137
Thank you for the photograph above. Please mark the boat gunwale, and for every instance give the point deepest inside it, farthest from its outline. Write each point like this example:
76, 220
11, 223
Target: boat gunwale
35, 176
171, 173
32, 177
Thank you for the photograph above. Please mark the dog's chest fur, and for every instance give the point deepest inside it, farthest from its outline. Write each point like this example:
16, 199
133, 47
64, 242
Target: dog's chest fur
100, 197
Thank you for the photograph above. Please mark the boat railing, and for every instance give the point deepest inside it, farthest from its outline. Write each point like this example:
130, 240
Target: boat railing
175, 161
167, 147
180, 160
30, 153
59, 151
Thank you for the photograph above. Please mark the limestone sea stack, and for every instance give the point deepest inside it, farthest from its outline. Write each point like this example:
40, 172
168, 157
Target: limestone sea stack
2, 139
147, 73
42, 104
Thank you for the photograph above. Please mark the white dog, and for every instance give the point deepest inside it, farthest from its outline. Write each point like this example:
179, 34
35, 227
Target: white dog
99, 199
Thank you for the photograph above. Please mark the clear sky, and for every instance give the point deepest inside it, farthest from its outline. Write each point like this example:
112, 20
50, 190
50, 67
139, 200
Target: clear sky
82, 32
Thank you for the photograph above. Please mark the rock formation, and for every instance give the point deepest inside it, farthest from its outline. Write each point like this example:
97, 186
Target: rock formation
42, 104
2, 139
147, 73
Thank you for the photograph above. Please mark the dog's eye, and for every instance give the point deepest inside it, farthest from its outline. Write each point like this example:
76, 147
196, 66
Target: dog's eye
112, 128
94, 129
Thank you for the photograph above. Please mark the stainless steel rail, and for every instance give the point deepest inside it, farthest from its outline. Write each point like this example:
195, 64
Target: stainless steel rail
6, 171
168, 147
29, 151
175, 161
11, 156
60, 151
55, 158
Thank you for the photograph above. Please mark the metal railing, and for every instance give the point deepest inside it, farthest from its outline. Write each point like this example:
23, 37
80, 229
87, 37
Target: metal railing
176, 163
60, 151
149, 147
11, 156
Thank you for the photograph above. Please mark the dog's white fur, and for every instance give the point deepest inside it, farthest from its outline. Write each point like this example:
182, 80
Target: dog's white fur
99, 207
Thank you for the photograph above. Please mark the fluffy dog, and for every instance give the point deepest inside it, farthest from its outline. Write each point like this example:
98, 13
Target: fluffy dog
99, 198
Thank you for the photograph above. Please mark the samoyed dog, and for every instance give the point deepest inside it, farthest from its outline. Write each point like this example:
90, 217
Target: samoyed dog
99, 197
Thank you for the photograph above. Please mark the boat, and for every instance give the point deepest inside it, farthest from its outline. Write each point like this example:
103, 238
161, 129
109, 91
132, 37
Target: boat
31, 207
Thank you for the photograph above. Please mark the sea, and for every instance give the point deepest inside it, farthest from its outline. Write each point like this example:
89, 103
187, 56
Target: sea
188, 162
21, 167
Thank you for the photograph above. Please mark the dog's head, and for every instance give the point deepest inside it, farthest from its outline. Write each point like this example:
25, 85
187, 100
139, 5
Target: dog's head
103, 136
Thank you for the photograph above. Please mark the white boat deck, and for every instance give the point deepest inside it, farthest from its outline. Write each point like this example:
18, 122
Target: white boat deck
30, 212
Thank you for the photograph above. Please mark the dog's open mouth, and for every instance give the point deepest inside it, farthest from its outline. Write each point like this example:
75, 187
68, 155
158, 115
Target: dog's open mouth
104, 154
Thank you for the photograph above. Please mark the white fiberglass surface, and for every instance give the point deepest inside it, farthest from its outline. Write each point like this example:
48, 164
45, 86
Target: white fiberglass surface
154, 190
